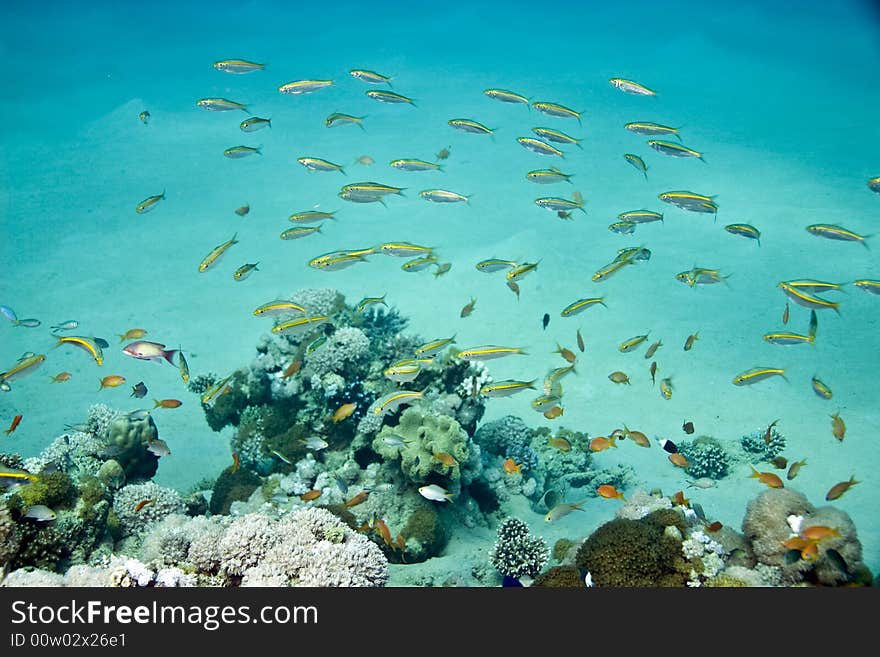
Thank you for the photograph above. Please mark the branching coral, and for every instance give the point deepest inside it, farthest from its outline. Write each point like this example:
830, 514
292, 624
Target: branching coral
706, 458
516, 552
758, 449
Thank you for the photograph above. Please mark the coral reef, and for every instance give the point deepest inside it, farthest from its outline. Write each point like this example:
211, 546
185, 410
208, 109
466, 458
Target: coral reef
706, 458
134, 517
233, 486
757, 449
560, 577
516, 552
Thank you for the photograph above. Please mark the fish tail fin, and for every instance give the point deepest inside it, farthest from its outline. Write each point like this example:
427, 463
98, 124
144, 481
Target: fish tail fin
100, 386
342, 171
168, 355
233, 240
755, 472
162, 195
157, 403
269, 122
259, 149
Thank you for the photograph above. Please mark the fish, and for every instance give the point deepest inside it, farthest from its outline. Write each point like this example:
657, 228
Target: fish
560, 443
631, 87
292, 369
212, 258
555, 109
403, 249
254, 123
370, 77
144, 350
640, 216
637, 162
580, 305
511, 467
10, 477
310, 495
768, 435
433, 347
868, 285
307, 217
238, 152
666, 388
795, 468
469, 125
298, 87
514, 287
678, 460
9, 314
443, 196
506, 96
25, 365
821, 390
39, 513
608, 270
563, 509
298, 232
556, 204
637, 437
111, 381
446, 459
419, 264
218, 388
394, 400
779, 462
691, 339
785, 314
675, 150
815, 287
89, 345
653, 370
540, 147
61, 377
548, 176
369, 301
807, 300
786, 338
394, 440
668, 446
28, 323
365, 160
690, 201
415, 165
343, 412
299, 325
315, 344
435, 493
182, 366
874, 184
757, 374
545, 321
280, 307
557, 136
282, 457
144, 117
389, 97
609, 492
468, 308
236, 463
506, 388
840, 488
238, 66
521, 270
580, 341
631, 344
370, 190
138, 390
601, 443
149, 203
545, 402
220, 105
488, 352
619, 377
653, 348
744, 230
567, 354
12, 427
314, 442
836, 232
167, 403
769, 479
158, 447
838, 427
139, 415
623, 227
319, 164
651, 129
69, 325
554, 412
359, 498
338, 118
444, 153
132, 334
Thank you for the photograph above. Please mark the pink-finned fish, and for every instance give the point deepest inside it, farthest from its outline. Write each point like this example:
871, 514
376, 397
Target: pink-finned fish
146, 350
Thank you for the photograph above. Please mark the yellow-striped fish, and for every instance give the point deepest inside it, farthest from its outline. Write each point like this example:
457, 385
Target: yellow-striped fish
87, 344
557, 136
215, 390
338, 118
807, 300
839, 233
149, 203
419, 264
488, 352
238, 152
220, 105
650, 129
555, 109
506, 388
548, 176
216, 252
244, 271
469, 125
629, 345
24, 366
238, 66
745, 230
785, 338
630, 87
413, 164
491, 265
868, 285
821, 389
443, 196
521, 270
389, 97
336, 261
404, 249
756, 374
675, 150
299, 325
301, 231
282, 307
392, 401
303, 86
815, 287
434, 347
580, 305
637, 162
318, 164
369, 301
540, 147
182, 366
506, 96
310, 216
608, 270
369, 76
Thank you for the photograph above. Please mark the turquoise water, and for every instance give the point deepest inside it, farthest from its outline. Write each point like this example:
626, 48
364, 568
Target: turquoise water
778, 96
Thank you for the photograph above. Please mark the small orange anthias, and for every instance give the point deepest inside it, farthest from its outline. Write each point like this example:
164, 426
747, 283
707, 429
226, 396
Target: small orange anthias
808, 539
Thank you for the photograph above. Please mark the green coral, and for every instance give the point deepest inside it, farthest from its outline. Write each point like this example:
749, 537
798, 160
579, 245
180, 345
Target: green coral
232, 487
425, 436
53, 490
561, 548
634, 553
424, 533
560, 577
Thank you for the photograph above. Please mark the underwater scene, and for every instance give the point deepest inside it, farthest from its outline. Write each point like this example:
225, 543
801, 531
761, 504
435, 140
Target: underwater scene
429, 295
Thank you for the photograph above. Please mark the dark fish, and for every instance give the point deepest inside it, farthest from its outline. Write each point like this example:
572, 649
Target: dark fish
839, 562
791, 557
28, 323
688, 427
653, 371
509, 581
699, 511
580, 340
139, 390
101, 342
546, 320
669, 446
343, 487
780, 462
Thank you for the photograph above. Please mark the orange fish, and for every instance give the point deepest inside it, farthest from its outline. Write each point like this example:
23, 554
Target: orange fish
637, 437
819, 533
132, 334
61, 377
839, 489
600, 444
838, 428
680, 499
767, 434
167, 403
292, 369
567, 354
560, 443
15, 422
111, 381
609, 492
714, 526
236, 463
384, 532
554, 412
767, 478
511, 466
343, 412
400, 541
357, 499
795, 543
514, 287
313, 494
142, 504
446, 459
678, 460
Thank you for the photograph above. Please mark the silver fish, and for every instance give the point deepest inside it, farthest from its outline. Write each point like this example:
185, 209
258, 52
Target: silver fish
40, 513
69, 325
